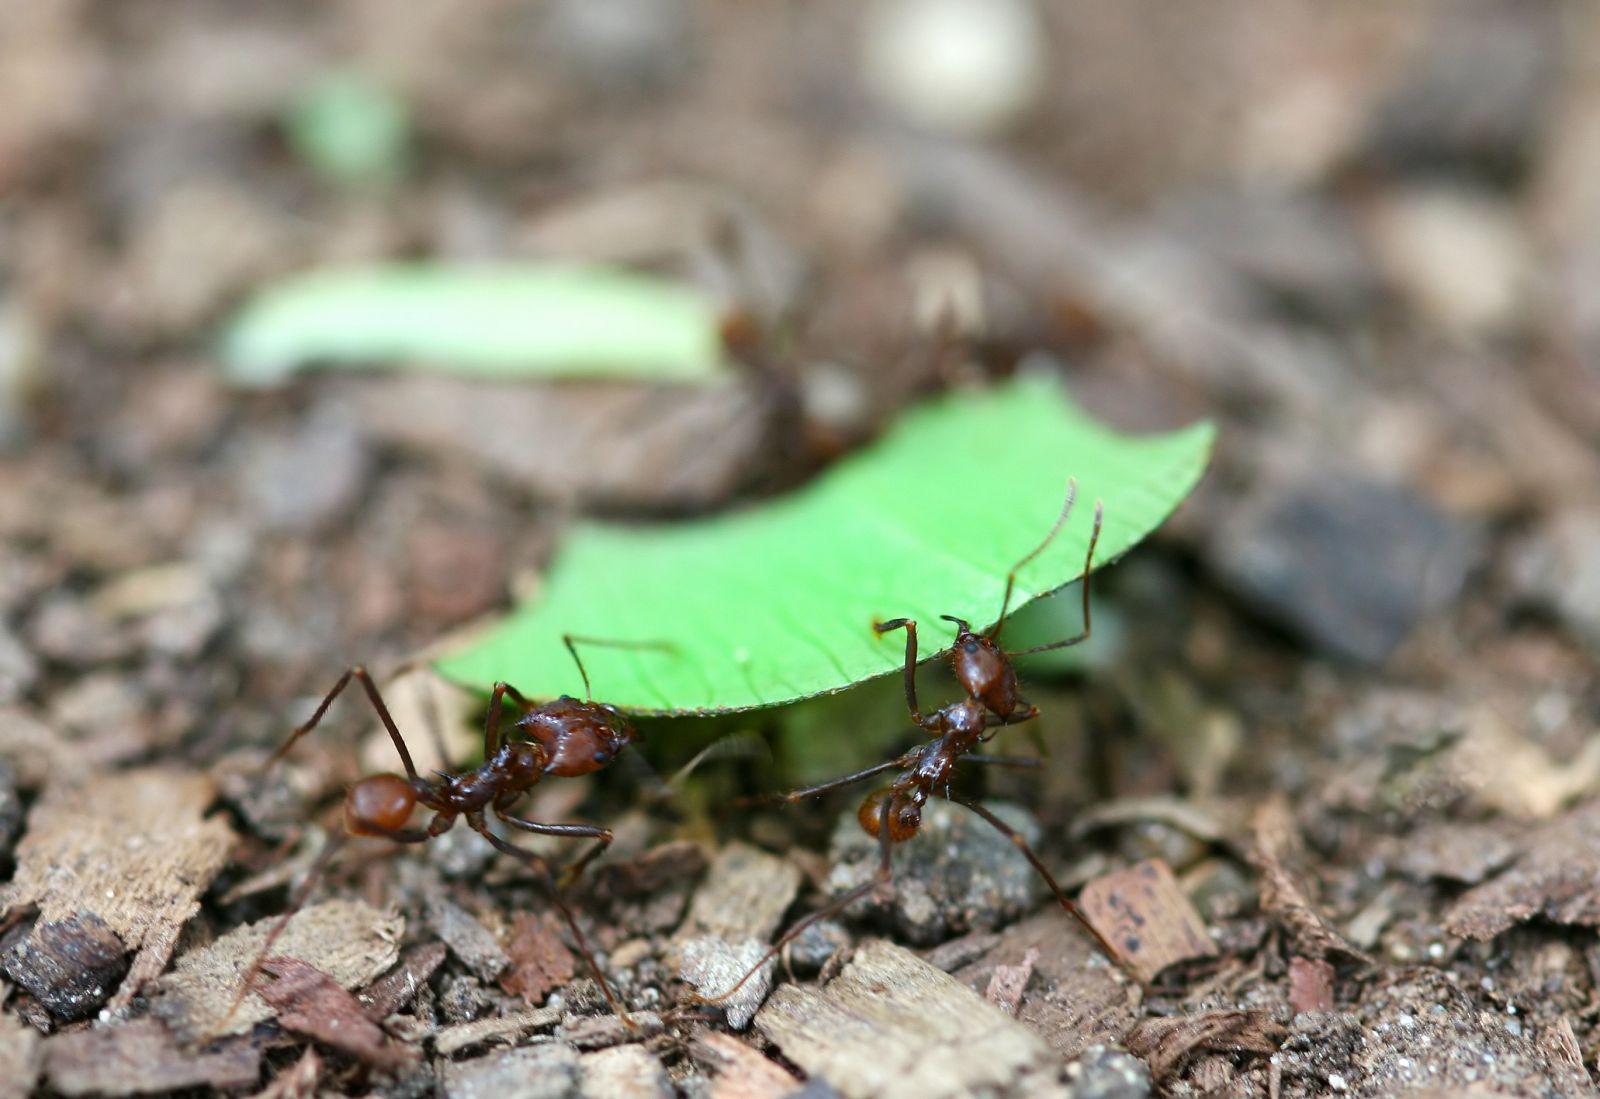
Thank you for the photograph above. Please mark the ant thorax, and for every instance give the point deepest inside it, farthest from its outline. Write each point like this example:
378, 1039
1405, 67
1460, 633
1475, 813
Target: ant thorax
960, 723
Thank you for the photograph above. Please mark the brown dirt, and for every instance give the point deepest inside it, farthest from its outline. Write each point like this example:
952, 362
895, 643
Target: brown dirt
1351, 700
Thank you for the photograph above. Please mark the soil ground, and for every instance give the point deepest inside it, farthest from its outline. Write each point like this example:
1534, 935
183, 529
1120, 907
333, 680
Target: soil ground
1339, 758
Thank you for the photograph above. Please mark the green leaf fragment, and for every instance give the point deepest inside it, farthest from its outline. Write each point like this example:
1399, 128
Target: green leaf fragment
776, 602
351, 130
496, 321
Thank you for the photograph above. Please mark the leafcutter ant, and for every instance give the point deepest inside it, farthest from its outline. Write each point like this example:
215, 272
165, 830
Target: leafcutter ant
893, 814
563, 738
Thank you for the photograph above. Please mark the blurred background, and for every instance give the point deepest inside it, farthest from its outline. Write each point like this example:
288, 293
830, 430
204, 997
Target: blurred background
1361, 236
1364, 238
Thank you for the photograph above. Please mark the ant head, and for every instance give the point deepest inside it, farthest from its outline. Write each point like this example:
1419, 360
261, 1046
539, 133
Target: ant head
379, 804
578, 738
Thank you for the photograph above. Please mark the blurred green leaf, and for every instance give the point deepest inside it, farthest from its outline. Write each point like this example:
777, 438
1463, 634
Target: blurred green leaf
350, 130
512, 320
777, 602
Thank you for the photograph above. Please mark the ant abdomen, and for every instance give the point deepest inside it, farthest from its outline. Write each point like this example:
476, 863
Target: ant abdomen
379, 804
905, 813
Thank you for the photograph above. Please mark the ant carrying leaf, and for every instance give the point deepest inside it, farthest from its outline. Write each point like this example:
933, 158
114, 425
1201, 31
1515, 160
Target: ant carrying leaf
893, 814
562, 738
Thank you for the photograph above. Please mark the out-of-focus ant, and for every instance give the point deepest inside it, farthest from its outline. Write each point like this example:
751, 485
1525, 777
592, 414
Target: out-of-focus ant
563, 738
893, 814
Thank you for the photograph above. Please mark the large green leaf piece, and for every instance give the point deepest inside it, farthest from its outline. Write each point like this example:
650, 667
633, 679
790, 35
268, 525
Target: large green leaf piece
500, 320
777, 602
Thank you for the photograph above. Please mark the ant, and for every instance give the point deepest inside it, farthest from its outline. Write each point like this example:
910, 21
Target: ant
565, 738
893, 814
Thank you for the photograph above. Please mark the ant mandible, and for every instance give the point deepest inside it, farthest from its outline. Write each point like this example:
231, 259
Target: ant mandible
893, 814
565, 738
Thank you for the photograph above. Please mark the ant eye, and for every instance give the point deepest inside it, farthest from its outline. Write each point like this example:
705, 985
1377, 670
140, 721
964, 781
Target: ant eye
971, 646
600, 757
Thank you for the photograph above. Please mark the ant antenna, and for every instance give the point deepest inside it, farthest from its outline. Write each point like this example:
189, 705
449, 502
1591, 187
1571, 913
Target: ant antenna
1088, 566
1011, 577
572, 640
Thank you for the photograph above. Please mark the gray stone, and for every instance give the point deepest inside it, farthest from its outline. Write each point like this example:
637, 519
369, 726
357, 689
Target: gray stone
1105, 1072
547, 1071
957, 874
1348, 564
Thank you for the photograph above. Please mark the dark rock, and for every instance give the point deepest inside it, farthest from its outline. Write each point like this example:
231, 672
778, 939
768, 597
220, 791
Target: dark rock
1347, 563
1474, 96
11, 809
812, 948
71, 967
1558, 570
957, 874
462, 999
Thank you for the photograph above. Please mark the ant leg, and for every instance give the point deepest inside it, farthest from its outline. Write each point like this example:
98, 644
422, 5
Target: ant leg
359, 673
1088, 565
883, 875
1022, 844
601, 836
572, 640
1011, 577
910, 626
491, 720
541, 869
823, 787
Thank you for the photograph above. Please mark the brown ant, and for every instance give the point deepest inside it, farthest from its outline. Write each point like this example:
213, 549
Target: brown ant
565, 738
893, 814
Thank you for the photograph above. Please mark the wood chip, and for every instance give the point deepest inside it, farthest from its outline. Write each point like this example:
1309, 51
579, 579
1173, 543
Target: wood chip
626, 446
1458, 851
540, 961
1165, 1044
548, 1071
313, 1004
715, 968
592, 1032
1145, 915
20, 1057
350, 941
397, 988
893, 1026
1007, 982
1310, 984
1282, 896
1076, 998
141, 1058
644, 875
1556, 877
508, 1028
133, 848
70, 967
626, 1072
740, 1072
298, 1081
743, 897
467, 939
